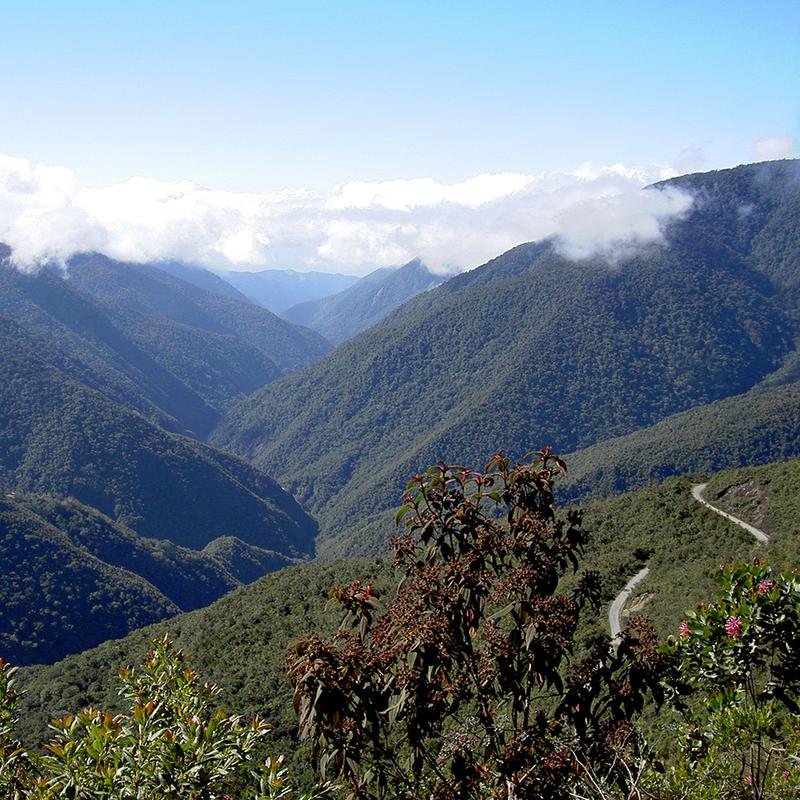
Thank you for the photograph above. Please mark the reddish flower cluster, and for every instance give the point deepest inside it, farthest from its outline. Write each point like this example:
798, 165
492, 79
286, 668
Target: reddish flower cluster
765, 586
733, 627
684, 630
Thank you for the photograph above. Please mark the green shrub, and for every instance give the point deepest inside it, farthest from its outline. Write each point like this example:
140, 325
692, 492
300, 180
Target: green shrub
173, 744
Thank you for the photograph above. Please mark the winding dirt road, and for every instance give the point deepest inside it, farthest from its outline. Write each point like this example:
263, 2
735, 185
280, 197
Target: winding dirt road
697, 493
615, 612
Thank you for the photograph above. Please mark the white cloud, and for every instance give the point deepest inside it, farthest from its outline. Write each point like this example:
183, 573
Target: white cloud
354, 227
774, 148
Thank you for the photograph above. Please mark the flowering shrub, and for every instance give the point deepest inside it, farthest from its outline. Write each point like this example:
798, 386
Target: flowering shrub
465, 686
745, 646
736, 680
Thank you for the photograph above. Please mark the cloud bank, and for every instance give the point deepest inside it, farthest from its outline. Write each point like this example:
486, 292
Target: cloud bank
354, 227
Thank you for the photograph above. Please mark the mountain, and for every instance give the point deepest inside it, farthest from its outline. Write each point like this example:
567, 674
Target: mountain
341, 316
278, 289
60, 436
98, 579
201, 277
240, 641
176, 353
756, 427
149, 292
59, 599
532, 348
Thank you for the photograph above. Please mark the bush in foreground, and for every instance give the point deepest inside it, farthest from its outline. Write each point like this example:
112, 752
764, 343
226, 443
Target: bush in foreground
173, 744
465, 685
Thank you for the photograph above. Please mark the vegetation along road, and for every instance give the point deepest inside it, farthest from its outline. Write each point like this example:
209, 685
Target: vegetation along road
615, 612
697, 493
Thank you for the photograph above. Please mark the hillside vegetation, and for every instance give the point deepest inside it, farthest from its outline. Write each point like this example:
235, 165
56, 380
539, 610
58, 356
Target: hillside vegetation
143, 289
758, 426
240, 641
174, 352
534, 347
57, 598
60, 437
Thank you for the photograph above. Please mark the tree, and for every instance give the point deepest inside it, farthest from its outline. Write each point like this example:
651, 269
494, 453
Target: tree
467, 684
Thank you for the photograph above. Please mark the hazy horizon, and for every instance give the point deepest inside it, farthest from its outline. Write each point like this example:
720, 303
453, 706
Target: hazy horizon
344, 138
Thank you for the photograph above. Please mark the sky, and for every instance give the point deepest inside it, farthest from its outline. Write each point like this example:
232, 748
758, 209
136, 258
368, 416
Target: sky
264, 134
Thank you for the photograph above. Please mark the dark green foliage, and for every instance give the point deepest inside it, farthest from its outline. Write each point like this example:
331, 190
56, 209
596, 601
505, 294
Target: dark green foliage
74, 553
345, 314
57, 598
529, 347
93, 350
57, 436
753, 428
188, 578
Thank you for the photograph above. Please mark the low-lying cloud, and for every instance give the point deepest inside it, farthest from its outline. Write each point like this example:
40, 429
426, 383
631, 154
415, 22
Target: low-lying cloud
354, 227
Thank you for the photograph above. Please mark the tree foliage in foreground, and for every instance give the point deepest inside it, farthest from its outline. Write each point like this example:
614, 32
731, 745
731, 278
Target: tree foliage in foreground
172, 744
466, 685
737, 679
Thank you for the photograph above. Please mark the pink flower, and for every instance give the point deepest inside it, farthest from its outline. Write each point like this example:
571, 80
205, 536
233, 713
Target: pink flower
733, 627
683, 630
748, 780
765, 586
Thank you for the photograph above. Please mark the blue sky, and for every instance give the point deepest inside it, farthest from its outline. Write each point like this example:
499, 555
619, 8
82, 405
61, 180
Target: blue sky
369, 133
261, 95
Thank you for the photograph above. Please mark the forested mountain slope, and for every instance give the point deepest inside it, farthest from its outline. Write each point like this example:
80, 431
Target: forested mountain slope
59, 436
756, 427
148, 291
534, 347
174, 352
99, 353
341, 316
73, 577
59, 599
240, 641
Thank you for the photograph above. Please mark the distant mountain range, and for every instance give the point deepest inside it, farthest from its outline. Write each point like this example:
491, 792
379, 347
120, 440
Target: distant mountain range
341, 316
278, 289
534, 348
679, 356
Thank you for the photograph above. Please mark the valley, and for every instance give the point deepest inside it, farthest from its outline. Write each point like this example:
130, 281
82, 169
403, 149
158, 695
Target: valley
176, 459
